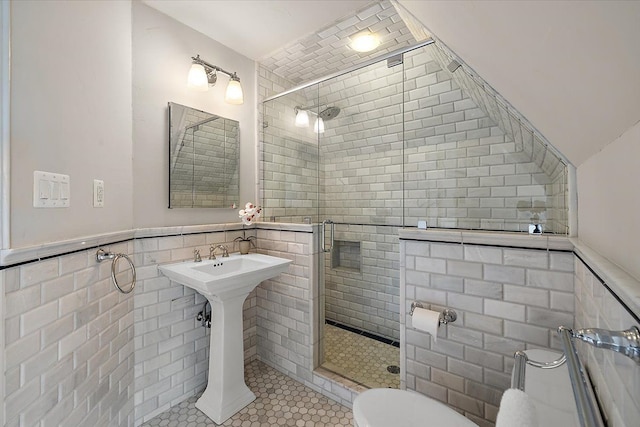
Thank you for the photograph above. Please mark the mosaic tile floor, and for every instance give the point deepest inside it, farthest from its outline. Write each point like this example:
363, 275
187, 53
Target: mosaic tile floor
280, 401
360, 359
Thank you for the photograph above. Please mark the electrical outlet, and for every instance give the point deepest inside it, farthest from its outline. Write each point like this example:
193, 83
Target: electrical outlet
98, 193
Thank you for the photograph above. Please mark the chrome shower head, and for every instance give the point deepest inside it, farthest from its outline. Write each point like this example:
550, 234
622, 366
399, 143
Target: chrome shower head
329, 113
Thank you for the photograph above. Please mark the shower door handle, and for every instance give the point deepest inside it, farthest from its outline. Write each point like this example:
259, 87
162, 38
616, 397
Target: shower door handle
324, 226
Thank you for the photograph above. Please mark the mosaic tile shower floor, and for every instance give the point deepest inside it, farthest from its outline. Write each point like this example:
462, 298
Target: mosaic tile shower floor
359, 358
280, 401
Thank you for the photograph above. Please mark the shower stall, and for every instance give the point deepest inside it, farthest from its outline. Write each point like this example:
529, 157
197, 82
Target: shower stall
403, 139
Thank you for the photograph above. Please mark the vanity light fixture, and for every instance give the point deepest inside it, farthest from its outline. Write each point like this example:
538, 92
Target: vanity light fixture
364, 42
202, 75
318, 127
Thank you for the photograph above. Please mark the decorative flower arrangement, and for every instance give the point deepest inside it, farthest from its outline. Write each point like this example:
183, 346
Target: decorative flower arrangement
248, 215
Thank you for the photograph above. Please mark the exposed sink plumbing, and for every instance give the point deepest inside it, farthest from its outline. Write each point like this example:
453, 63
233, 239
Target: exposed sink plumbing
204, 316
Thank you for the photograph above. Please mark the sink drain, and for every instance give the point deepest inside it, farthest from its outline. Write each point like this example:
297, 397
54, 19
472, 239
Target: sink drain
393, 369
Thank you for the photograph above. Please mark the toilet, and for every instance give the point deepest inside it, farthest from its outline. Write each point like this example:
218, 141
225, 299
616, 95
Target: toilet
550, 391
386, 407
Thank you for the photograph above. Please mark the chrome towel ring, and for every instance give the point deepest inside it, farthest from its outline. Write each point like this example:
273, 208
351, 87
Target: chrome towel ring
102, 255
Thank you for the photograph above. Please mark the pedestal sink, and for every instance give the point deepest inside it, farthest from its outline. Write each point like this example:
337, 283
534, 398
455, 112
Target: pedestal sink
226, 283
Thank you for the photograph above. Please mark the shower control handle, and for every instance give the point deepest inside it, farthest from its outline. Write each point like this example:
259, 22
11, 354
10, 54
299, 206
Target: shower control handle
324, 226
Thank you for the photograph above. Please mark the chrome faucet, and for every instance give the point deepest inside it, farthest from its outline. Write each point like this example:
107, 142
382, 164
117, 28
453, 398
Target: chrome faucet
196, 255
212, 251
626, 342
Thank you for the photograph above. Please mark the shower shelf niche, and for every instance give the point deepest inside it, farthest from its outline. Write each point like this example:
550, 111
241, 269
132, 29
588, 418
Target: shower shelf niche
346, 256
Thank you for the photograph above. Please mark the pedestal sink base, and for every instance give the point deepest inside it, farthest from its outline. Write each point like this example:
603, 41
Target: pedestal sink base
226, 283
226, 391
221, 412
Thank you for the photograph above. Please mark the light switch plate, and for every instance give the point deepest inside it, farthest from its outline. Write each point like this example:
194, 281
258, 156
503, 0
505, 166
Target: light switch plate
98, 193
51, 190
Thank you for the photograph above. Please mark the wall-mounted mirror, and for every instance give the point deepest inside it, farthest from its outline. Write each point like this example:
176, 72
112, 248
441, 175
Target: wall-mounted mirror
204, 159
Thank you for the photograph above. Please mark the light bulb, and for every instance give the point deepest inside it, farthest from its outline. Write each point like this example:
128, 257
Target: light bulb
234, 94
364, 42
197, 78
302, 119
318, 127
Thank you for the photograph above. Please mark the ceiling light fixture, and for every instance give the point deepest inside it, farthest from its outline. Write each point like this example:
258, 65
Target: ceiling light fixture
364, 42
203, 75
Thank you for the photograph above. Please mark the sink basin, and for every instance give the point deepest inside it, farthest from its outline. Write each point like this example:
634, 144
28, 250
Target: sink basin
226, 276
226, 283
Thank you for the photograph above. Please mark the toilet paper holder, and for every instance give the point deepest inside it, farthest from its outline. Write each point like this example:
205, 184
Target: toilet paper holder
446, 316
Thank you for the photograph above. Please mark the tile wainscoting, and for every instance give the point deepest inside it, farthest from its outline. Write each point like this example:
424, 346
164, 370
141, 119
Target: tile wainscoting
510, 292
69, 343
615, 378
78, 352
506, 299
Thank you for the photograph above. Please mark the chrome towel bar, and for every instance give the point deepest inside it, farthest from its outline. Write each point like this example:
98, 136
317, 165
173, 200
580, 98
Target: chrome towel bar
585, 398
626, 342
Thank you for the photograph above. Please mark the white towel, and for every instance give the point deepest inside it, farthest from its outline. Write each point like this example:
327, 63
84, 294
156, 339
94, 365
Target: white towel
516, 410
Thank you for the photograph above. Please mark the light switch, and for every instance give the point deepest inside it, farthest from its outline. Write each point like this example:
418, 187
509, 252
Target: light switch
55, 190
64, 191
51, 190
43, 189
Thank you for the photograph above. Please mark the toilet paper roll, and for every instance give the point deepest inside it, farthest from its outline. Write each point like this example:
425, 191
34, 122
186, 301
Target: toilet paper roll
426, 320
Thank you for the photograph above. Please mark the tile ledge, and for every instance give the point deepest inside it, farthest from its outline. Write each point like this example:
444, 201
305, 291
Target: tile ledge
9, 257
625, 286
491, 238
285, 226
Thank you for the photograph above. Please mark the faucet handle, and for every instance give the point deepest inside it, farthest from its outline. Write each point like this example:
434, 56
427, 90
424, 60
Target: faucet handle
196, 255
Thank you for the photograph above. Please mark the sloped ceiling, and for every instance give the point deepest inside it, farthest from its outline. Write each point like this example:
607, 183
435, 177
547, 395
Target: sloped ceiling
572, 68
256, 28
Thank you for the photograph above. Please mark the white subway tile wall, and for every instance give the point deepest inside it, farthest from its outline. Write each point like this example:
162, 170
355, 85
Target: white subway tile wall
289, 315
70, 337
288, 154
69, 340
285, 309
506, 299
408, 145
615, 377
78, 352
366, 298
531, 143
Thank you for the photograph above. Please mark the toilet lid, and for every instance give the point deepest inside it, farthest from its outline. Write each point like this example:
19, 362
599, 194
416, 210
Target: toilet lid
384, 407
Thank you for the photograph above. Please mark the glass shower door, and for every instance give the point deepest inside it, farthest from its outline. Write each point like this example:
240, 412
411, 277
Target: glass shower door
360, 208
